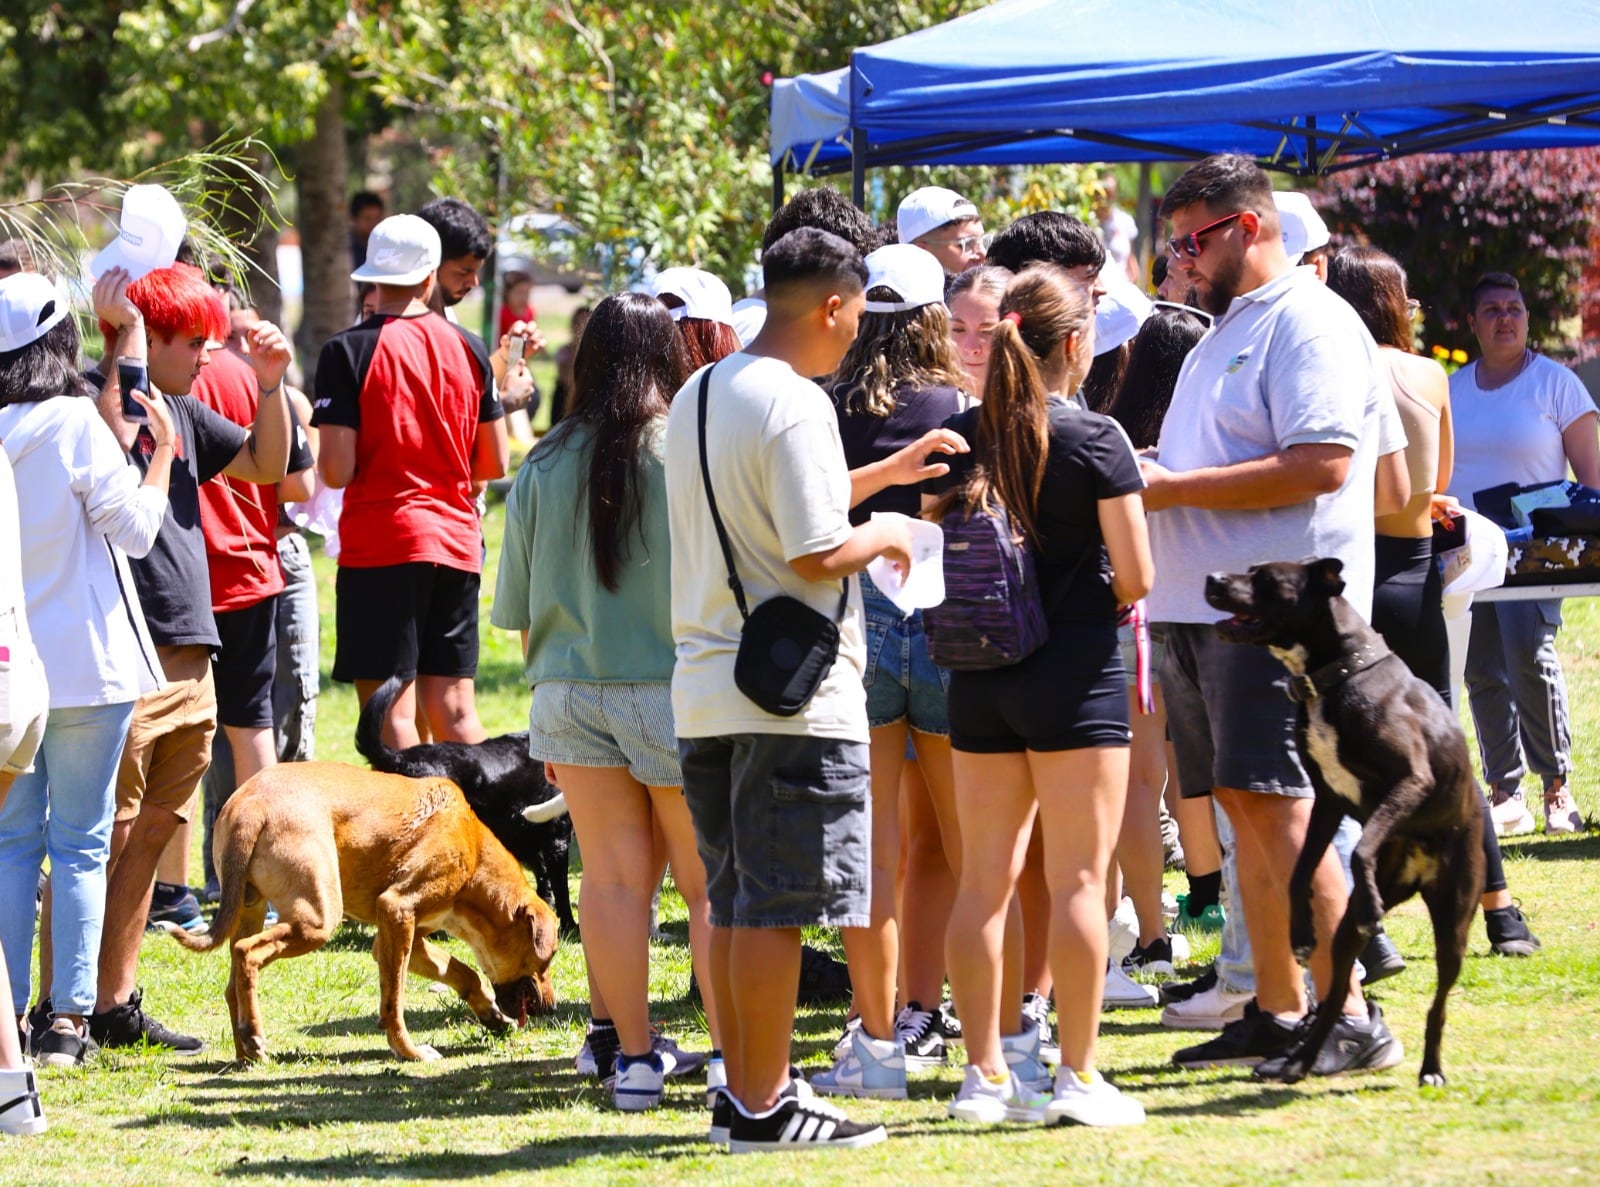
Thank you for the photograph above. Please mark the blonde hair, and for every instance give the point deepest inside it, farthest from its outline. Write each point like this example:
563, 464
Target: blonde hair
911, 348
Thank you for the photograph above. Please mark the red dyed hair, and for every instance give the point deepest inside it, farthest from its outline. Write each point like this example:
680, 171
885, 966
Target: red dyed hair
176, 301
707, 341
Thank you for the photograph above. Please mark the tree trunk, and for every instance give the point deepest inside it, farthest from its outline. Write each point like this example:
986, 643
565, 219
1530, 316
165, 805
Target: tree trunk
324, 233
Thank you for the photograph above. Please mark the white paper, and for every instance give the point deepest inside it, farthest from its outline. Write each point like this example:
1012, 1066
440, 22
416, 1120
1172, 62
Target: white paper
923, 585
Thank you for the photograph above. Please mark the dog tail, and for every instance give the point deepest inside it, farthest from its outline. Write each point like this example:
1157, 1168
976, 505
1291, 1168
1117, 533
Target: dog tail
369, 728
233, 865
546, 810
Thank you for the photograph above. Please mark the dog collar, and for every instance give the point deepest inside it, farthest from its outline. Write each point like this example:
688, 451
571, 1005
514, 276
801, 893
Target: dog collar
1307, 687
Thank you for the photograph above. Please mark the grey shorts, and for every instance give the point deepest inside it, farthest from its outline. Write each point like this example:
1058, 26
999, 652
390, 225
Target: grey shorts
784, 827
606, 725
1229, 717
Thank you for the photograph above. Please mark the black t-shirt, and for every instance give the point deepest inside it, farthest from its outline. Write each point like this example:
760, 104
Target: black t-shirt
173, 581
1089, 459
868, 438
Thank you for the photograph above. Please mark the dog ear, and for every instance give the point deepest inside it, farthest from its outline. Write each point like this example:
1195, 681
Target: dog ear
1325, 576
545, 931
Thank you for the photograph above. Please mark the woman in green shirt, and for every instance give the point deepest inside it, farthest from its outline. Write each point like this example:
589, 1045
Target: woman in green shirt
585, 575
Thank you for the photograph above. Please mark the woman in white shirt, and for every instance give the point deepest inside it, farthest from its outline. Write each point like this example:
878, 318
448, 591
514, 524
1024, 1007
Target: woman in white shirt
86, 507
1519, 417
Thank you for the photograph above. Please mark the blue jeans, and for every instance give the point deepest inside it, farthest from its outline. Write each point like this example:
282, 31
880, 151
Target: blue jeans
64, 808
903, 683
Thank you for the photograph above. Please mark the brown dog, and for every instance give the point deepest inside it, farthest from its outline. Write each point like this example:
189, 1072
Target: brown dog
323, 842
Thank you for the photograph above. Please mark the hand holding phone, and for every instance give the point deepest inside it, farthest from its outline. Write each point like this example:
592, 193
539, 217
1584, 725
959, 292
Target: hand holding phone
133, 376
515, 349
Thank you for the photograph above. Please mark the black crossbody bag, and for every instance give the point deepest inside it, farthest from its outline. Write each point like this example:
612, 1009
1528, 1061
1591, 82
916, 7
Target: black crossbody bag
786, 647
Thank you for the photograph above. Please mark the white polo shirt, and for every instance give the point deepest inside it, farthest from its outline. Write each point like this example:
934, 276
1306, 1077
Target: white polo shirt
1289, 363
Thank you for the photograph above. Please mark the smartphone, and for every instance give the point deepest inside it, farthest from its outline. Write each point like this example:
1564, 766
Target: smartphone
133, 377
515, 348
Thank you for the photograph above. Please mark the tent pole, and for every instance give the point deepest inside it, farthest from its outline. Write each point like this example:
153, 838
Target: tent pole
858, 167
1147, 221
777, 187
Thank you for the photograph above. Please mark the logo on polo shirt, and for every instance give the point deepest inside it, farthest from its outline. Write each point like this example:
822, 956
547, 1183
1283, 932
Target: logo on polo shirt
1238, 360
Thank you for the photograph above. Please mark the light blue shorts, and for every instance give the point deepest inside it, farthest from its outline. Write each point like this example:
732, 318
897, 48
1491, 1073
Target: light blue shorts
606, 725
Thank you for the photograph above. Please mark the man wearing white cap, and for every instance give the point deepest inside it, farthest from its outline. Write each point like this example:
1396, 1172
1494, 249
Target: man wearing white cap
944, 224
1305, 235
410, 420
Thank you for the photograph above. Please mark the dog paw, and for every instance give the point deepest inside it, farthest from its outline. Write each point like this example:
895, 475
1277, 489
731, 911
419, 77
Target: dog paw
428, 1054
1430, 1080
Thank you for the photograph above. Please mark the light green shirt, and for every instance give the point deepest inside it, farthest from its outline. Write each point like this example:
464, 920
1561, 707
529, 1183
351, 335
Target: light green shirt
547, 585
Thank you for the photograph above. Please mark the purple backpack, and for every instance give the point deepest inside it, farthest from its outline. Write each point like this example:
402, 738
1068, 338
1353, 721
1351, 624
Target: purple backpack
993, 614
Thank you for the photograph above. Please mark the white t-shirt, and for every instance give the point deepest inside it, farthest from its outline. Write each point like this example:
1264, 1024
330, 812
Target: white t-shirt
1288, 364
783, 489
1513, 433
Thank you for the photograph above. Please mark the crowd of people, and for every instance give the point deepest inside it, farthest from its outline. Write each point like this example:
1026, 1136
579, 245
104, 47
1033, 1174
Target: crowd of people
703, 559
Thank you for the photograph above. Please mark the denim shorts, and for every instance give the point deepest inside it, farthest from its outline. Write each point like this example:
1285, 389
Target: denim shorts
784, 826
606, 725
1130, 656
1230, 719
903, 683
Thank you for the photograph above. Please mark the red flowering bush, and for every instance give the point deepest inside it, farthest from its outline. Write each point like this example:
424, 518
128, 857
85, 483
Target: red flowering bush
1449, 219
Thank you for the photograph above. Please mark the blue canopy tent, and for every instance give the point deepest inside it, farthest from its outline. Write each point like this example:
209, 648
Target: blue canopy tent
1308, 88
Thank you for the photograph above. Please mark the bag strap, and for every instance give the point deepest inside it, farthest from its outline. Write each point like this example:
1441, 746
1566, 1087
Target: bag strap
711, 498
716, 517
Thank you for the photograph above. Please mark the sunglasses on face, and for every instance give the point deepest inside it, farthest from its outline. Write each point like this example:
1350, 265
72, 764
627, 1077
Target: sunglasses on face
1190, 245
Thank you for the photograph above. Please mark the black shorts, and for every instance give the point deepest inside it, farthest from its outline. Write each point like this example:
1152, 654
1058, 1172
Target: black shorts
405, 621
1071, 694
247, 664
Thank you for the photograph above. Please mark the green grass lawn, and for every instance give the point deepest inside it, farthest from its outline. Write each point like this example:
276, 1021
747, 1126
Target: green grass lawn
1520, 1052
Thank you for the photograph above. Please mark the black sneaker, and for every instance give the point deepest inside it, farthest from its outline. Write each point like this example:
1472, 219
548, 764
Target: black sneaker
1182, 991
1353, 1046
1249, 1040
1508, 932
799, 1122
37, 1022
919, 1030
1154, 957
721, 1118
170, 903
1381, 959
128, 1025
63, 1048
949, 1022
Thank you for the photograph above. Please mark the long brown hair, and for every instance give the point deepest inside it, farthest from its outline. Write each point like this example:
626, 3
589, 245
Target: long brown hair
1012, 440
911, 348
1374, 284
629, 364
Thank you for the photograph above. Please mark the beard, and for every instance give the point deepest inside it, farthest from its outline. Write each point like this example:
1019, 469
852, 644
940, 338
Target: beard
1221, 287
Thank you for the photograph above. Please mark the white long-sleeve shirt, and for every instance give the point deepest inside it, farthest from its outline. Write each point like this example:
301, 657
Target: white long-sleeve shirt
82, 508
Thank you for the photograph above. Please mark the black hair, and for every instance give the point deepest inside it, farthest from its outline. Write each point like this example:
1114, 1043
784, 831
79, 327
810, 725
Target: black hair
1490, 280
825, 209
462, 231
15, 255
1100, 385
1223, 184
809, 256
1158, 270
45, 368
629, 364
1047, 237
364, 200
1154, 357
885, 233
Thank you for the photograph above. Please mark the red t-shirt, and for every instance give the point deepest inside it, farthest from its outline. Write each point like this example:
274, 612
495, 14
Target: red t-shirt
510, 316
239, 518
415, 389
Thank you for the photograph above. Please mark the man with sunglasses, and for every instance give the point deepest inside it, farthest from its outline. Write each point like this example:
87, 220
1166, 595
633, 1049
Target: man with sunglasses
1268, 452
943, 224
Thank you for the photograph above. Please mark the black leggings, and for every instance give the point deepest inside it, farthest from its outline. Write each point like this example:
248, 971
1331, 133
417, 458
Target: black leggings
1408, 611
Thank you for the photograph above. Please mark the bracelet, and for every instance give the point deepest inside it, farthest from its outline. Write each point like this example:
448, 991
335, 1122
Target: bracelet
271, 391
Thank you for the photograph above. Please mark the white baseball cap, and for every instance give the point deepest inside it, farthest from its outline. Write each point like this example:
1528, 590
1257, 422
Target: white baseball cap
402, 250
148, 234
928, 209
702, 294
915, 274
1303, 228
30, 305
1120, 311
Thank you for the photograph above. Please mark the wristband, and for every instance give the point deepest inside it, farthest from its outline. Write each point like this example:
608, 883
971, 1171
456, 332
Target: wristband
270, 391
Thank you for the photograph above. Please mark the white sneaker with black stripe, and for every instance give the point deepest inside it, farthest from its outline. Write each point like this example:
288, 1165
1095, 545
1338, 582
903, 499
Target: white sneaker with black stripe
798, 1123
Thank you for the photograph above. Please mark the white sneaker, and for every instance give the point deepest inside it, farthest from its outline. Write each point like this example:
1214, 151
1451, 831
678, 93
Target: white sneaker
1093, 1102
1211, 1010
1025, 1056
1169, 906
1123, 932
874, 1068
1037, 1007
20, 1111
1510, 814
983, 1103
638, 1084
1124, 993
1561, 813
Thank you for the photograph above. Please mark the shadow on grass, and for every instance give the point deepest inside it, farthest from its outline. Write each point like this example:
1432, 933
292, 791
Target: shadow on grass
1578, 847
424, 1166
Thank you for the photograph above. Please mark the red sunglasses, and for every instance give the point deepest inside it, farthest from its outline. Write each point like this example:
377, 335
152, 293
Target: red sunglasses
1190, 245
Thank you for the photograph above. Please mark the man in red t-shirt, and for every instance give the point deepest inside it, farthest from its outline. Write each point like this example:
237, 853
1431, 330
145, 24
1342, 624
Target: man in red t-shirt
409, 420
239, 521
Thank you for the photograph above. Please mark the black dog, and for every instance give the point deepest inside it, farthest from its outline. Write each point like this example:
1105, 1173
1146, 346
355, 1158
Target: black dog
500, 782
1382, 746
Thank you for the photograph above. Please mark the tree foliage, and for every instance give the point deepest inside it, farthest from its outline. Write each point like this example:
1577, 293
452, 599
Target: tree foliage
1449, 219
